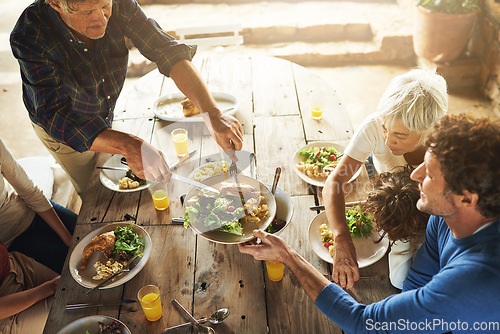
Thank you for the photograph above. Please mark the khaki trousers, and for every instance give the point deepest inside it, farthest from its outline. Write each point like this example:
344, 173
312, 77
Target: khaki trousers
26, 273
78, 165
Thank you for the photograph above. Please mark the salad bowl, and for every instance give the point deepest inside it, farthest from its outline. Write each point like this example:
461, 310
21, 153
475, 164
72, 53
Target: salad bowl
222, 231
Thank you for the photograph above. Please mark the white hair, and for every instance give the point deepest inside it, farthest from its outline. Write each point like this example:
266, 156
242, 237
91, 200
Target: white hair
417, 99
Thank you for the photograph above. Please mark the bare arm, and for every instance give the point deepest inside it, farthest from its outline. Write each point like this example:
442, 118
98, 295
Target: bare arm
273, 248
345, 266
52, 219
20, 301
143, 158
224, 128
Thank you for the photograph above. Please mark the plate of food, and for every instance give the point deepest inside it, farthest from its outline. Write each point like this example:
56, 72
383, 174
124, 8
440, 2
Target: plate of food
120, 180
108, 250
176, 107
209, 169
95, 324
364, 237
315, 161
222, 217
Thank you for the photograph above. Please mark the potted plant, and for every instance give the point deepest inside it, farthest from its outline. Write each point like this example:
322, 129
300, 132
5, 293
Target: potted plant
443, 28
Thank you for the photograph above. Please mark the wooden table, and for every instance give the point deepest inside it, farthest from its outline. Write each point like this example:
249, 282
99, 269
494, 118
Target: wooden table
275, 99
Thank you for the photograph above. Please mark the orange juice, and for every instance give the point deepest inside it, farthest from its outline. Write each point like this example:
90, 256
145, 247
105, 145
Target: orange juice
317, 112
275, 270
160, 199
151, 305
180, 138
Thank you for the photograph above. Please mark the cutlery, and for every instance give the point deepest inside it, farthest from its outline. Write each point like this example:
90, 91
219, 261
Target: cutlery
202, 329
193, 183
277, 175
216, 318
113, 168
252, 165
322, 207
112, 303
182, 160
127, 269
233, 174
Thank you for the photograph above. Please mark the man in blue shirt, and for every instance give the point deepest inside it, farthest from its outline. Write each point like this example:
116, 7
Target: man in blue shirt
453, 282
73, 59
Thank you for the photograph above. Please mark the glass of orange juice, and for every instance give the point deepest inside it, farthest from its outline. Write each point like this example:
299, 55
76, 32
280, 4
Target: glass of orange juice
149, 297
275, 270
180, 138
159, 192
316, 112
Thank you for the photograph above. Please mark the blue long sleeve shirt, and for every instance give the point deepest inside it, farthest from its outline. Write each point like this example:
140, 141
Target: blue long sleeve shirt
453, 285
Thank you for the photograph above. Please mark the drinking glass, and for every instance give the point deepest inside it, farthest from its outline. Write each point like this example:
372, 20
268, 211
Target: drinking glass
149, 297
159, 192
180, 138
275, 270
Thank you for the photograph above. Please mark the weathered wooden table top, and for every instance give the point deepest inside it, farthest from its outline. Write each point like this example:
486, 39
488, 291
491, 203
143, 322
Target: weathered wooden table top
275, 97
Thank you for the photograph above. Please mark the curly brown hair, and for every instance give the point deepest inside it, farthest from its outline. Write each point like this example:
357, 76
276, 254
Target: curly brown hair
468, 150
392, 204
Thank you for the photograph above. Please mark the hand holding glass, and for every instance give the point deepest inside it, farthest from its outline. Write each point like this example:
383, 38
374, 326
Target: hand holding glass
149, 297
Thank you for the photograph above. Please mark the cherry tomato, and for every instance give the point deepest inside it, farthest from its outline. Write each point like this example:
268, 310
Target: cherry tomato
333, 157
327, 244
318, 153
230, 208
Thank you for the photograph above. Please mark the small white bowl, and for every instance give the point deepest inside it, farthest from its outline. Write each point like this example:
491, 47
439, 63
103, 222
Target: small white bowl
284, 207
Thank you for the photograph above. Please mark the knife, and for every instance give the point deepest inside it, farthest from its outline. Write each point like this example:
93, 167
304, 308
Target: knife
112, 303
181, 160
113, 168
193, 183
322, 207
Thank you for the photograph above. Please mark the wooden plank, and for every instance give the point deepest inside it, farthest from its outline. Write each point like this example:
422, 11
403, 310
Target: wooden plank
96, 201
276, 139
171, 268
70, 292
233, 75
283, 297
273, 87
138, 99
227, 278
314, 91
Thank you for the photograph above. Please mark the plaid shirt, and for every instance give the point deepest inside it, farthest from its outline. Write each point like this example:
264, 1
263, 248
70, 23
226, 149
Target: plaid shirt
71, 90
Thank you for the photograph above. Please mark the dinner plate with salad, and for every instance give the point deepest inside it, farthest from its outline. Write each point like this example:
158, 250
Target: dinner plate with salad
363, 233
315, 161
95, 324
103, 249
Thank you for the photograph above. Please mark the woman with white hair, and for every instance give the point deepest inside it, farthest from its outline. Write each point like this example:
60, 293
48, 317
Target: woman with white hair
394, 137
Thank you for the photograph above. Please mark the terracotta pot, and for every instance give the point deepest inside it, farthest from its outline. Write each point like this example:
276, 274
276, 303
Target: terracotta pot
441, 37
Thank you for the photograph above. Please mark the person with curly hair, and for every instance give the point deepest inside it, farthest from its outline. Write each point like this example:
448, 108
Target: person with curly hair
452, 284
394, 137
392, 207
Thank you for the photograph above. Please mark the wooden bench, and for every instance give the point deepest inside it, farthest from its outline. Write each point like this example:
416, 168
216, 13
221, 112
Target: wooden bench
209, 36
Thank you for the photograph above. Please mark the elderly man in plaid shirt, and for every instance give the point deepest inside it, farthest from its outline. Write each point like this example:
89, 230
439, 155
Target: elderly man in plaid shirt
73, 61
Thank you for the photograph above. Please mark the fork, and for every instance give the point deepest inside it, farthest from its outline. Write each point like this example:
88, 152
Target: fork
233, 174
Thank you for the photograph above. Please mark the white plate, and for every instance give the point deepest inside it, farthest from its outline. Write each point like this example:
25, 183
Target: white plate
84, 277
109, 178
317, 181
169, 108
90, 324
367, 251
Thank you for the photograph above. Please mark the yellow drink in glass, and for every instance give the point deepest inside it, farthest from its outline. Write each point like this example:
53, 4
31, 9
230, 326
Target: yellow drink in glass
275, 270
160, 199
149, 297
180, 138
317, 112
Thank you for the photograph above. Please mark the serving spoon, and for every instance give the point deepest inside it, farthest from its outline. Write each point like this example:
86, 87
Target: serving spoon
216, 318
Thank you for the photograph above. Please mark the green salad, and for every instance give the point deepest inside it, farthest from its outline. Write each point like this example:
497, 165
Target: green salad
217, 212
359, 224
127, 244
321, 156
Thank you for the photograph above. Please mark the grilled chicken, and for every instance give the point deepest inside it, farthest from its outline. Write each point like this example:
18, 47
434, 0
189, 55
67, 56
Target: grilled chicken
103, 243
247, 190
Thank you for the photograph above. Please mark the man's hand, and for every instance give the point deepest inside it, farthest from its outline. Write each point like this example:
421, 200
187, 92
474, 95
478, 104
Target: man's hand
148, 163
227, 132
271, 247
345, 265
